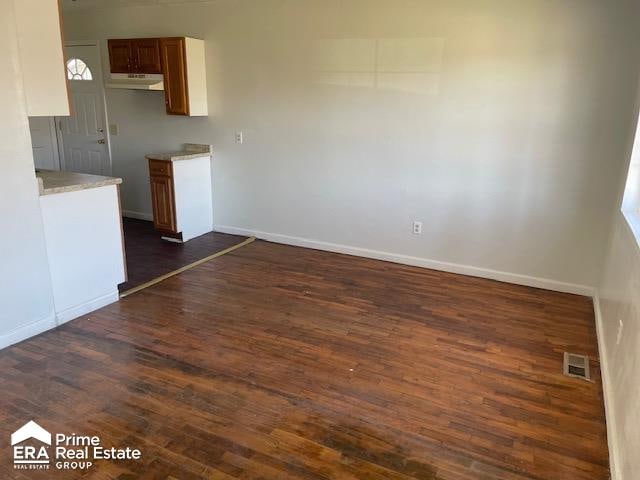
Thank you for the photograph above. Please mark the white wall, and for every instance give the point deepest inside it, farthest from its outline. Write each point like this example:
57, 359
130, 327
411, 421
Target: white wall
619, 294
25, 296
500, 124
618, 317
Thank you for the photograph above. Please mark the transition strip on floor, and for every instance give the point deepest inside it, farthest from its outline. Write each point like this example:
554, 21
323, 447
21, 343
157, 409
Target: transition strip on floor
162, 278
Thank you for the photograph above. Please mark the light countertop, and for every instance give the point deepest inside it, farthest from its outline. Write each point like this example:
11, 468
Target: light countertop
191, 150
51, 182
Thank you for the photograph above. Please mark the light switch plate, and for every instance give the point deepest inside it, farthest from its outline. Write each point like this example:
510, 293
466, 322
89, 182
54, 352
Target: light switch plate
113, 129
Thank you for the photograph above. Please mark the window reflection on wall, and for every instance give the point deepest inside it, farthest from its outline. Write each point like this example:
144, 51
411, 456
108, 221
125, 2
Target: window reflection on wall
411, 65
631, 202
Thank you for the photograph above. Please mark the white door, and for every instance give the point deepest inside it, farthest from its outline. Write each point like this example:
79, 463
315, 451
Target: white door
83, 134
44, 142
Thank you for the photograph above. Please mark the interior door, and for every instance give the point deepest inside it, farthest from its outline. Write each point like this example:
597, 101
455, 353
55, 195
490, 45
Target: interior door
44, 142
83, 134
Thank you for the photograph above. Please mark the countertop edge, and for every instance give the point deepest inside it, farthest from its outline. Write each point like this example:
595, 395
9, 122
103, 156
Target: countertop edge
176, 158
78, 187
189, 151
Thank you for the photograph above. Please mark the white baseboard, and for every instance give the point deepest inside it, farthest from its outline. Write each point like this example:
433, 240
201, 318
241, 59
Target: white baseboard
612, 437
35, 328
27, 331
138, 215
515, 278
88, 307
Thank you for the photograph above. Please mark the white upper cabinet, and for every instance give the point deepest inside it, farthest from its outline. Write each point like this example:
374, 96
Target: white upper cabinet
42, 57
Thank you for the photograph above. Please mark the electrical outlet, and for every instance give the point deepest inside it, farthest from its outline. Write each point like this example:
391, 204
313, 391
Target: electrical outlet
620, 328
239, 138
417, 228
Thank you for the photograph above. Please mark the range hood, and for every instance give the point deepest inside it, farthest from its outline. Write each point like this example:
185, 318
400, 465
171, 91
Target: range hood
136, 81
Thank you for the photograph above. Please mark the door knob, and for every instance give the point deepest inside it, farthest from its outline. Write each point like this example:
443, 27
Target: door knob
101, 141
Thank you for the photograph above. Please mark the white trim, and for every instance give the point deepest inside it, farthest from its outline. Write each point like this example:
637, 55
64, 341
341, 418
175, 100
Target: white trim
469, 270
27, 331
88, 307
612, 436
137, 215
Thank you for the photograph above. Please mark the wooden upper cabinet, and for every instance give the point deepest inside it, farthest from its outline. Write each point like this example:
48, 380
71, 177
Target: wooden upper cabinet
181, 61
175, 75
146, 55
138, 55
120, 56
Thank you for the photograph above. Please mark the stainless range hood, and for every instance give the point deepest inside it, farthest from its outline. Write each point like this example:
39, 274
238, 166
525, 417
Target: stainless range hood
136, 81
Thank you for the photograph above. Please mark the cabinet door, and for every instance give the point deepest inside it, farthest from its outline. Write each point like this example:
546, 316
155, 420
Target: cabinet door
120, 56
175, 75
146, 55
164, 217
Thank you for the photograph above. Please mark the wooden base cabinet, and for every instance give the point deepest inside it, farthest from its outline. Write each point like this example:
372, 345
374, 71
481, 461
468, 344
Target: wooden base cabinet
163, 197
181, 197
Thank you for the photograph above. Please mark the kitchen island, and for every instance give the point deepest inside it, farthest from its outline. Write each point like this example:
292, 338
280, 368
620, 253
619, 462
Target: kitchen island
83, 234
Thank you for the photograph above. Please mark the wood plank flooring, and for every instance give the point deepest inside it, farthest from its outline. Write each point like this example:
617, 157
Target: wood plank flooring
149, 257
275, 362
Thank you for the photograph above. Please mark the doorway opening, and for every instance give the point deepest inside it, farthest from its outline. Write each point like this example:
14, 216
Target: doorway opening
79, 142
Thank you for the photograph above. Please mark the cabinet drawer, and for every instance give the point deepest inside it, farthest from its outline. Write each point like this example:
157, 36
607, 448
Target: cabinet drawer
160, 168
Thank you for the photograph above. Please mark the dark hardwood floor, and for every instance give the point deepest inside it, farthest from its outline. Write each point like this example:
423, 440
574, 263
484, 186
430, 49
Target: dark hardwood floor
276, 362
149, 257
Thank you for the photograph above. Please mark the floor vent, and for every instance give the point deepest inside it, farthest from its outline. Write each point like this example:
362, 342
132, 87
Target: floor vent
576, 366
